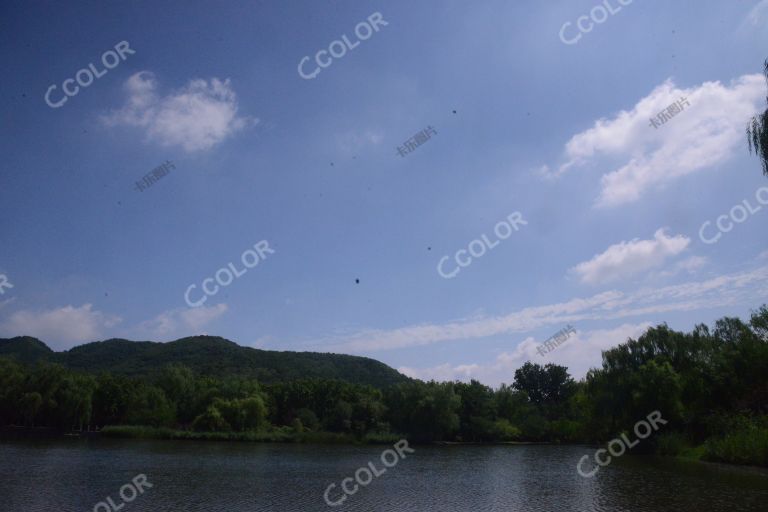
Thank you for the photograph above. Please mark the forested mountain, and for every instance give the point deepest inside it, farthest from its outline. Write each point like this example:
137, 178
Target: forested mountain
205, 355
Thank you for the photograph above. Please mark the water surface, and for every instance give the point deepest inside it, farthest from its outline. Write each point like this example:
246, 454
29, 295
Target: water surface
73, 476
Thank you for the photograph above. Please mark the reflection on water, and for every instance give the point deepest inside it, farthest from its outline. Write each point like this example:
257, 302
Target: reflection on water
238, 477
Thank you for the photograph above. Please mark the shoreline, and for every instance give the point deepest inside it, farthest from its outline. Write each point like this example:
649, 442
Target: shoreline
138, 433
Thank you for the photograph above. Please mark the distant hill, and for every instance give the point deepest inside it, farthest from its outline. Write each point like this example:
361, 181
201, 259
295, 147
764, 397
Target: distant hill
25, 349
207, 355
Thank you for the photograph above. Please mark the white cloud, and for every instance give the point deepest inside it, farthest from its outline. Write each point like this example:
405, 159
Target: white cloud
196, 117
444, 372
181, 322
627, 259
741, 288
263, 342
578, 353
60, 328
703, 135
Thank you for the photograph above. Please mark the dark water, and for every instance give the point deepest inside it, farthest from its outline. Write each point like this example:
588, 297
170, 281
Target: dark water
236, 477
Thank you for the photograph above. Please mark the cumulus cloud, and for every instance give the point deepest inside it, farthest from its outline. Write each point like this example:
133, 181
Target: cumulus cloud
578, 353
181, 322
627, 259
705, 134
721, 291
196, 117
60, 328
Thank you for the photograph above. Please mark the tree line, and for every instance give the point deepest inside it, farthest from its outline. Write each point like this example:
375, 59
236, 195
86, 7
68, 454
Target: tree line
711, 385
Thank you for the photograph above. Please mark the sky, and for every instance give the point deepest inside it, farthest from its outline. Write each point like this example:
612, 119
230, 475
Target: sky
441, 186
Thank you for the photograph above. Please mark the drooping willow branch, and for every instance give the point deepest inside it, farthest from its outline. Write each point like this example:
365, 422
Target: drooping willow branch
757, 132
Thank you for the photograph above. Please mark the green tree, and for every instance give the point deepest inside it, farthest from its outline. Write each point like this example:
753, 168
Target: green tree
30, 404
211, 421
478, 411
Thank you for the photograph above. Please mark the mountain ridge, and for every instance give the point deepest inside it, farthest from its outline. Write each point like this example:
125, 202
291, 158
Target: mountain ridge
207, 355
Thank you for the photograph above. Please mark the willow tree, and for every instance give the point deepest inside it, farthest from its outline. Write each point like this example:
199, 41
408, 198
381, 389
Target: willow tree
757, 132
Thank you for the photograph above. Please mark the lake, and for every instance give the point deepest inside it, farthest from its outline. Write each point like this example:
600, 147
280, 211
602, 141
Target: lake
75, 475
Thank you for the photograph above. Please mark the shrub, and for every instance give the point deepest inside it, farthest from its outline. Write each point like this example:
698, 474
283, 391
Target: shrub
672, 444
748, 445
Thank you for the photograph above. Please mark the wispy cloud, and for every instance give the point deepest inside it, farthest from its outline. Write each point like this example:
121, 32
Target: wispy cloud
704, 135
351, 143
196, 117
5, 302
724, 290
690, 265
758, 16
579, 353
627, 259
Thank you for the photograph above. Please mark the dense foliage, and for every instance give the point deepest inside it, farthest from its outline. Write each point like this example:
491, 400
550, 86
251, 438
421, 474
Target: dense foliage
711, 387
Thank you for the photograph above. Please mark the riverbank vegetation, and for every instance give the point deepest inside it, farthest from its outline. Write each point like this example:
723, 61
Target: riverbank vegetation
710, 385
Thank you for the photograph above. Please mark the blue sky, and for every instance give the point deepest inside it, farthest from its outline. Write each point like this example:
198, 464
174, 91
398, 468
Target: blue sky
523, 122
